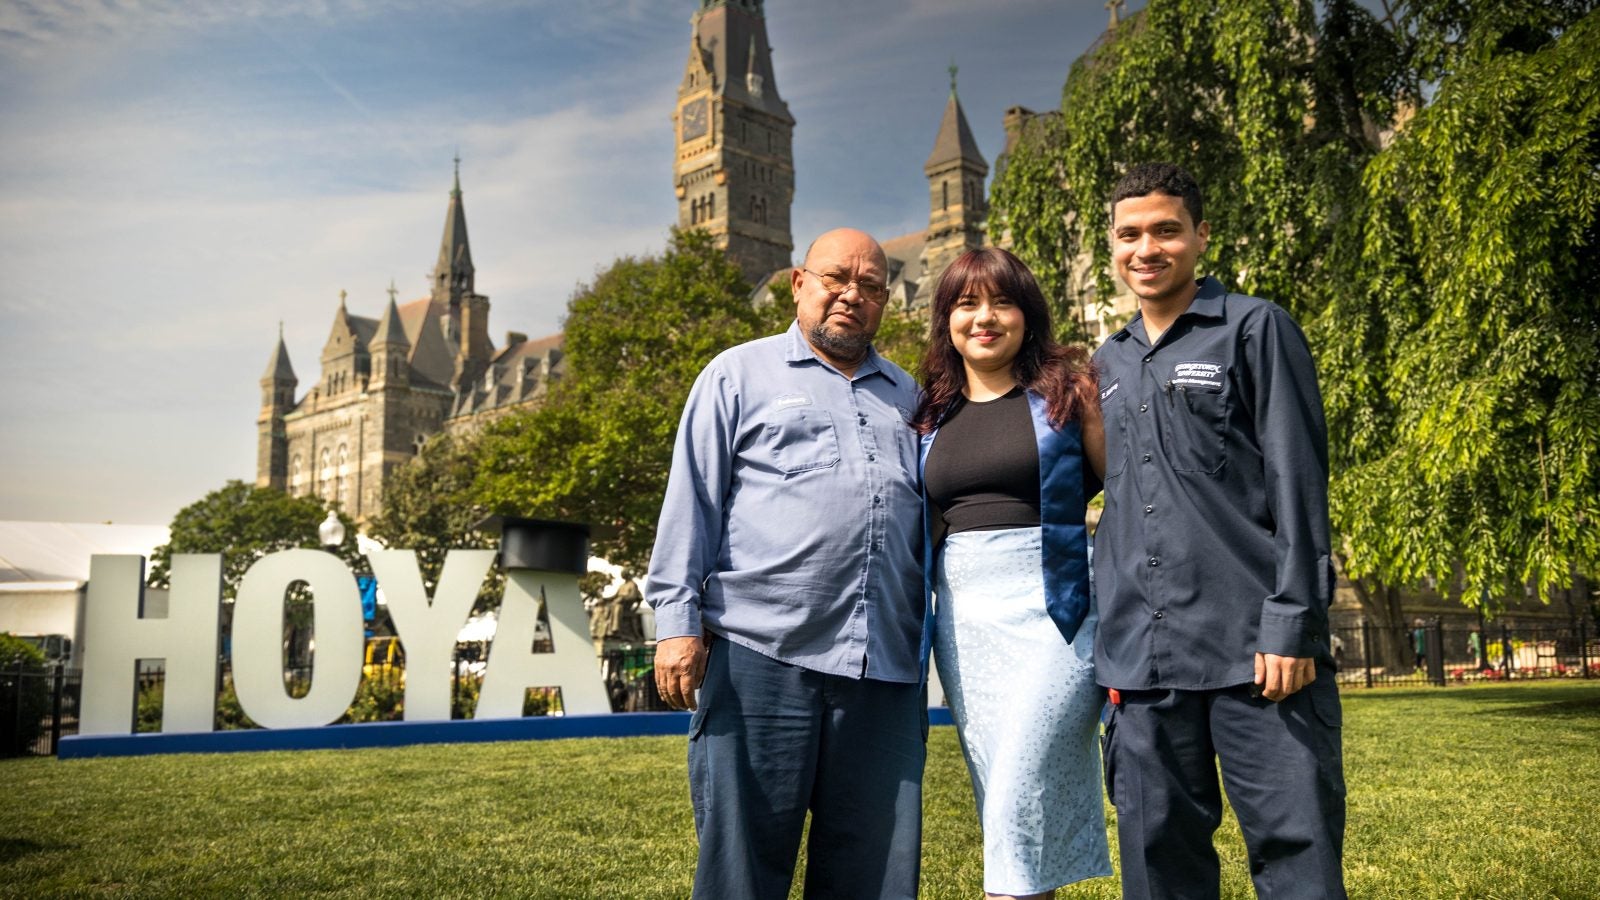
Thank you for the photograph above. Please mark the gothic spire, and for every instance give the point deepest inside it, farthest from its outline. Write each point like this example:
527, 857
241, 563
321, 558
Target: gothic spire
389, 330
278, 368
453, 273
955, 142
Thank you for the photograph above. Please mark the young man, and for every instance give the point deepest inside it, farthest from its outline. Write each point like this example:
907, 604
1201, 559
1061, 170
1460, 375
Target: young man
1212, 569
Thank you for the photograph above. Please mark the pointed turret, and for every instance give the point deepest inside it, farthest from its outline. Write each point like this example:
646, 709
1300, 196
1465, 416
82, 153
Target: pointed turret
453, 274
277, 400
957, 208
390, 347
453, 289
955, 143
278, 368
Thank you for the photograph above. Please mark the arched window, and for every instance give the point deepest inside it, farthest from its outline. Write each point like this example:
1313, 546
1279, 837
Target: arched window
944, 188
295, 475
324, 473
341, 490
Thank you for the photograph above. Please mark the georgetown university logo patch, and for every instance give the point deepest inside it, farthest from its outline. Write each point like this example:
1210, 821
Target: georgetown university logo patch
1201, 376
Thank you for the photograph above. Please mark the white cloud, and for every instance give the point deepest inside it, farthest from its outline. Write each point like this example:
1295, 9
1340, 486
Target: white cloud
175, 178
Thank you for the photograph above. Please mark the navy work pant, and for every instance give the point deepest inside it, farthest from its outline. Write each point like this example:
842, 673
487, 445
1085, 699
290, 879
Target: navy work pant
771, 741
1283, 770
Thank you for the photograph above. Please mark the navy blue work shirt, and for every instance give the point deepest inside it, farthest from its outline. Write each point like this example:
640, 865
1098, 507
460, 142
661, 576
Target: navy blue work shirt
1214, 544
792, 523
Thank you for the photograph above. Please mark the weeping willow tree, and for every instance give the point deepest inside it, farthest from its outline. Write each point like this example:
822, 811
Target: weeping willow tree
1418, 186
1462, 362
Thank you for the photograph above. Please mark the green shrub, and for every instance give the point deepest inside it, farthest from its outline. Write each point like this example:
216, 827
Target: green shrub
378, 699
149, 708
230, 715
24, 695
464, 696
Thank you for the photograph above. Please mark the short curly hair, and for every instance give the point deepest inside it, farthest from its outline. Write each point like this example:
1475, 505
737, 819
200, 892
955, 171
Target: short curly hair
1145, 179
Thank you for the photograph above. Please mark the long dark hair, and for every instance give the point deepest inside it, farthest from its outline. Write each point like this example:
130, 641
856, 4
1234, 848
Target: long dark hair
1062, 375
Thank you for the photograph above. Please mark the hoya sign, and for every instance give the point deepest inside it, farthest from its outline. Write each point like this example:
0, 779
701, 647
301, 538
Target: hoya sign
542, 562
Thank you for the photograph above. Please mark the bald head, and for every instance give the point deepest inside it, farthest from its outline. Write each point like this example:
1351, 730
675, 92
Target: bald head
848, 237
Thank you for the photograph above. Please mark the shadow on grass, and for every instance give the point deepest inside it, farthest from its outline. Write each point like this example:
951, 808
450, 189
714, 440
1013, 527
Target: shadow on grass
13, 849
1530, 702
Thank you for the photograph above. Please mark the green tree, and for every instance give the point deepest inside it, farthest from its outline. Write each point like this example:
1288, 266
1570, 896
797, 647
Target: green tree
1462, 363
1274, 114
1420, 189
429, 505
600, 449
244, 523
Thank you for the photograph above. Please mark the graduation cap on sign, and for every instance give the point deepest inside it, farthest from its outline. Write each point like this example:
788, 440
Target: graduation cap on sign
541, 544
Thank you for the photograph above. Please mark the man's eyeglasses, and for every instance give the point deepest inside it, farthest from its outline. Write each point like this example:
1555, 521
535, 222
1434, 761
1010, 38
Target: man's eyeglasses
836, 284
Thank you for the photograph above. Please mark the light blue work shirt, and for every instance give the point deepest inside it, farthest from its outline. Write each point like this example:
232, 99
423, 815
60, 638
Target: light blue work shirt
792, 523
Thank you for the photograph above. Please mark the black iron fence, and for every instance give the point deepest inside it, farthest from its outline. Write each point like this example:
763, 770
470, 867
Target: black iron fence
39, 704
1431, 652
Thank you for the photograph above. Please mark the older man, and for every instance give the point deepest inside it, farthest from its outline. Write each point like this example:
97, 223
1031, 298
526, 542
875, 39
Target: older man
787, 587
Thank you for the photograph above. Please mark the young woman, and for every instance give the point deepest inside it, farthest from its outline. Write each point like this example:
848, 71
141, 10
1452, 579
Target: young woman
1010, 429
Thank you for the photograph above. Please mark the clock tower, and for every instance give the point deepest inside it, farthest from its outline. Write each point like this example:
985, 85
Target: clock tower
734, 167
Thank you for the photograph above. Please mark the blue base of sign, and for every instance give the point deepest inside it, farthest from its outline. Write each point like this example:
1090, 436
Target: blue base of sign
392, 734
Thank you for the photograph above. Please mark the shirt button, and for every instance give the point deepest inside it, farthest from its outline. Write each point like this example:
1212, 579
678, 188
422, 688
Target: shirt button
872, 457
1147, 358
876, 500
863, 419
1147, 457
1143, 407
1149, 509
1155, 560
1159, 614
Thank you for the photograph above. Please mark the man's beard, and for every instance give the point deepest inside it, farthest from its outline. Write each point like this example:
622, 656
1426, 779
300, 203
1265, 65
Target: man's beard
843, 346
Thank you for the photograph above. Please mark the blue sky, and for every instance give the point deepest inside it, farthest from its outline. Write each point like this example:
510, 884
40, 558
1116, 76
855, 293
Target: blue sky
176, 178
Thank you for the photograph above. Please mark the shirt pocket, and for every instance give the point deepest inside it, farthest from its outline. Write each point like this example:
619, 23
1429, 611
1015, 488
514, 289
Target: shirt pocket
802, 439
1196, 427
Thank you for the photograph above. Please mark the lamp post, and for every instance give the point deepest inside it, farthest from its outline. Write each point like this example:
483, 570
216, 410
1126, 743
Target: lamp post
331, 532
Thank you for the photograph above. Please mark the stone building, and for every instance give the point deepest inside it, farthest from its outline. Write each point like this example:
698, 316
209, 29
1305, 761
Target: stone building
733, 170
387, 384
958, 209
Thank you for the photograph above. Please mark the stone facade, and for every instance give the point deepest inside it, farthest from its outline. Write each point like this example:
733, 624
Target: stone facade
388, 384
733, 171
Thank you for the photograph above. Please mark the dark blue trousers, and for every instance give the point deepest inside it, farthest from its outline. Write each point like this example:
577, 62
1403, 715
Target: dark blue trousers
771, 741
1282, 767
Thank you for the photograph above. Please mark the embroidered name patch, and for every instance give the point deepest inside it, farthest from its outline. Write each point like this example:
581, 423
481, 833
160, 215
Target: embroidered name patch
1204, 376
789, 401
1108, 391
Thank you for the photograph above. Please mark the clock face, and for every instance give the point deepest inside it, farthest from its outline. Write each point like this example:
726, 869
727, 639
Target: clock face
695, 121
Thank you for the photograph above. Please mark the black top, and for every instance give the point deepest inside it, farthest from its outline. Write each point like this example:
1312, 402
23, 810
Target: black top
983, 468
1214, 544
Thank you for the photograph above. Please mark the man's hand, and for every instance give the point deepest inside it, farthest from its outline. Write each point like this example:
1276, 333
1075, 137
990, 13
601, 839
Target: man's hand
680, 665
1280, 676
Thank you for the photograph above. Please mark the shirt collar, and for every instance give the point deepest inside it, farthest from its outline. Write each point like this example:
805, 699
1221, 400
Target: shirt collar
1207, 302
799, 351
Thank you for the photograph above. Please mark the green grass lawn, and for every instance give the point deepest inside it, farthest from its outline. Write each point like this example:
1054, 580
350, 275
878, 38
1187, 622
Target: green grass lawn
1480, 792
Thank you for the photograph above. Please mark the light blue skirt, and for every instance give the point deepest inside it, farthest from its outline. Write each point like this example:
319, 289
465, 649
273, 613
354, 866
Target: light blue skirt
1027, 710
